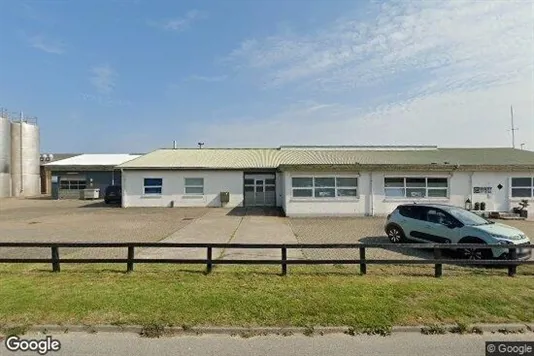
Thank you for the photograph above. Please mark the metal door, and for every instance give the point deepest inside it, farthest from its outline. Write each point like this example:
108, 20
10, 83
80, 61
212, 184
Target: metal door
260, 190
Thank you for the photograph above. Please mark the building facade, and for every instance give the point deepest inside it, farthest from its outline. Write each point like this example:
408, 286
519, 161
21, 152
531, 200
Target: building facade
70, 176
330, 181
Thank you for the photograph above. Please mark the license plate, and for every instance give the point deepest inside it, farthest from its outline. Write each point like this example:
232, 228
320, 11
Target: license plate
523, 251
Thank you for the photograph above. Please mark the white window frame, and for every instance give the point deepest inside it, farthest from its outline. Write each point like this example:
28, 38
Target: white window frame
193, 186
531, 187
160, 186
335, 187
426, 188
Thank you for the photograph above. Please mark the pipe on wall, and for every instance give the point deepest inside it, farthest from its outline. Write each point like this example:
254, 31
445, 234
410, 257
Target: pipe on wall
371, 195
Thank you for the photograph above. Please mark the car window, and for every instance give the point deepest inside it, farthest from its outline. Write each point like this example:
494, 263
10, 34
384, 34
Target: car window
468, 218
437, 217
412, 211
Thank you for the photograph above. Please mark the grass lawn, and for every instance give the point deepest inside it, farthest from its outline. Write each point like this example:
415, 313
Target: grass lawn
257, 296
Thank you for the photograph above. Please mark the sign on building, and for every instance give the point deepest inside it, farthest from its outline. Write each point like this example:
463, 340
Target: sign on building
482, 190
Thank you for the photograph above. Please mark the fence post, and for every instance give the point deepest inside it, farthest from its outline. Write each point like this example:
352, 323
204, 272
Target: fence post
55, 259
209, 264
363, 265
284, 259
512, 269
438, 267
130, 264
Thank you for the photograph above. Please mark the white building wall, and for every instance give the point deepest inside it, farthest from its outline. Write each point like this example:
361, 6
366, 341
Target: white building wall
279, 189
372, 200
295, 207
174, 188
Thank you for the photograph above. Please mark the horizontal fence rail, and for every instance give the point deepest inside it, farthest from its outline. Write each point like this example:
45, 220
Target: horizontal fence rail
438, 261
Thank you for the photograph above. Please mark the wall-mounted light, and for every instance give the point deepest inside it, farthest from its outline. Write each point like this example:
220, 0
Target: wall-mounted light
468, 204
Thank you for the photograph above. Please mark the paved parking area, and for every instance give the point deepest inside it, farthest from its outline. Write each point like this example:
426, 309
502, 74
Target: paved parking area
77, 221
363, 229
85, 221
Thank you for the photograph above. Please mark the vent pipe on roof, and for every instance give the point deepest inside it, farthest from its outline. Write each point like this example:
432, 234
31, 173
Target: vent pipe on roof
174, 144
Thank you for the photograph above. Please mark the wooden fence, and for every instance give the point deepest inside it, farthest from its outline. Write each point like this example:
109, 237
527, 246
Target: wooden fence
438, 261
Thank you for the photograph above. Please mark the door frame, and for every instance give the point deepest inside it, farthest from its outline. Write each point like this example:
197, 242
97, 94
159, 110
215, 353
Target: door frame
259, 175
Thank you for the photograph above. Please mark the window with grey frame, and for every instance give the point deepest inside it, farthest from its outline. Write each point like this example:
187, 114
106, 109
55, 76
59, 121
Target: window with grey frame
324, 187
72, 184
522, 187
194, 186
416, 187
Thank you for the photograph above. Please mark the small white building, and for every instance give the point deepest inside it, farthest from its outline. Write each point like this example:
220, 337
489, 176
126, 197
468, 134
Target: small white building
330, 180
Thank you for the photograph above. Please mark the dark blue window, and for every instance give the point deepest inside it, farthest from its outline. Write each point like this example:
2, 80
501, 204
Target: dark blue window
153, 185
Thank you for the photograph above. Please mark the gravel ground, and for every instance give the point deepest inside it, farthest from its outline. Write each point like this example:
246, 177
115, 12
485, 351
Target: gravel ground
76, 221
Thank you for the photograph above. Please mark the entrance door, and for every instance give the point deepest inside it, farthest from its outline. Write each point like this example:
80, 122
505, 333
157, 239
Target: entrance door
260, 190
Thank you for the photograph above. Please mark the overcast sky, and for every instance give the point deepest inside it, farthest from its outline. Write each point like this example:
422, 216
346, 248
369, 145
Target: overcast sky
134, 75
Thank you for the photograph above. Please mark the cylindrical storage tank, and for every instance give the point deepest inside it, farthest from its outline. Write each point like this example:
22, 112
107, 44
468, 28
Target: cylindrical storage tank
5, 157
25, 159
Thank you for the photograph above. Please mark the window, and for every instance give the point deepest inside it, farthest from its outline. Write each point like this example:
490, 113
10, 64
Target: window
72, 184
412, 211
416, 187
523, 187
194, 186
438, 217
152, 185
325, 187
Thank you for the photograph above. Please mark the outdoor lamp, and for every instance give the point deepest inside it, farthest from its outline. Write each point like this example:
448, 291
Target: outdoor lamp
468, 204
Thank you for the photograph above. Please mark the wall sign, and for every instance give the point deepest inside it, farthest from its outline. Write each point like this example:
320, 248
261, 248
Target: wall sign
482, 190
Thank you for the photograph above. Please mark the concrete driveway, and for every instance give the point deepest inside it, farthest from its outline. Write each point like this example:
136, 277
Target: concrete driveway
223, 226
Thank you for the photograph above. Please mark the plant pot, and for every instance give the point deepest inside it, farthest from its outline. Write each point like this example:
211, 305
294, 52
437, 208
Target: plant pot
523, 214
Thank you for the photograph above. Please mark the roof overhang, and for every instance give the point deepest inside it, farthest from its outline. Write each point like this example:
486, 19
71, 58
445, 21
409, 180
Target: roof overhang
406, 167
79, 168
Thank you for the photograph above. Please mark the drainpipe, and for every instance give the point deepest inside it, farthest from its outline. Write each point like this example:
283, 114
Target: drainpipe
21, 153
371, 195
471, 187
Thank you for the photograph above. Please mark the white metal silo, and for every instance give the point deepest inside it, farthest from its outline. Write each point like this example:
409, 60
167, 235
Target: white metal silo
5, 156
25, 159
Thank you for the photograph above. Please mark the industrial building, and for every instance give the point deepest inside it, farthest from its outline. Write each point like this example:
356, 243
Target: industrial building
46, 175
330, 180
68, 177
19, 155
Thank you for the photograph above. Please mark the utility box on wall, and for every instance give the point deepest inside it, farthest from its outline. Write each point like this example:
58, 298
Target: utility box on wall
225, 197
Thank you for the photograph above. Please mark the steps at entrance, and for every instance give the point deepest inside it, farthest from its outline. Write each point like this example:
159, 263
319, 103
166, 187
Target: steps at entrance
504, 215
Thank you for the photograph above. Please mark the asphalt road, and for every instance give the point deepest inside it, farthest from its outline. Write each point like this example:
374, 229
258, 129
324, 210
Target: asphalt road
409, 344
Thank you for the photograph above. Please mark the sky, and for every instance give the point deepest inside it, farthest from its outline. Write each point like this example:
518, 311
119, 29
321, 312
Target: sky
116, 76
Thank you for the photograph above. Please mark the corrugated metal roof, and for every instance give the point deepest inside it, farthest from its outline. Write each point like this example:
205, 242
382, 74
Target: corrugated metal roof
94, 160
226, 158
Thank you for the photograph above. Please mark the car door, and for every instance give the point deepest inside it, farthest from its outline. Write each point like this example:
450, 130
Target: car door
412, 221
438, 227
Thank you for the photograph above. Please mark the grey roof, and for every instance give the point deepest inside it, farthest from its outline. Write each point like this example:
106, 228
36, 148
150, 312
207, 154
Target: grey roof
243, 158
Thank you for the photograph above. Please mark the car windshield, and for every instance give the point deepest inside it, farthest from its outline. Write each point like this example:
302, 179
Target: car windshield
468, 218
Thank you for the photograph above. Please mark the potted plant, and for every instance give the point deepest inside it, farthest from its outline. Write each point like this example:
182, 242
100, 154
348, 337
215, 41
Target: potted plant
522, 209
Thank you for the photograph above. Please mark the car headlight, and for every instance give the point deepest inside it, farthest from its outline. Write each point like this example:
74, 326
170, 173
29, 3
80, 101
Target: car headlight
504, 242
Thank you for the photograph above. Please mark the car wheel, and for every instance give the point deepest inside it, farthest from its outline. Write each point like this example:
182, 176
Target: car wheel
474, 254
395, 234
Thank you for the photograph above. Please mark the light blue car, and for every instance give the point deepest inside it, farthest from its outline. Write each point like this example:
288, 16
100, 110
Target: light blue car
449, 224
